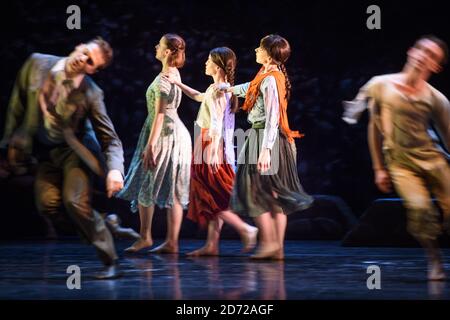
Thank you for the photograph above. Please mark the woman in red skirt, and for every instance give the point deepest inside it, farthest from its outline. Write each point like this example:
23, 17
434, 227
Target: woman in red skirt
212, 173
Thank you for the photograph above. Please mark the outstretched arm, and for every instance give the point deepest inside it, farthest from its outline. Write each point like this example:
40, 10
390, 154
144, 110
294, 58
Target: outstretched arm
190, 92
239, 90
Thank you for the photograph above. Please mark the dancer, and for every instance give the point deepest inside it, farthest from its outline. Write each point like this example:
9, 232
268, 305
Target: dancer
52, 106
213, 158
403, 152
159, 172
267, 187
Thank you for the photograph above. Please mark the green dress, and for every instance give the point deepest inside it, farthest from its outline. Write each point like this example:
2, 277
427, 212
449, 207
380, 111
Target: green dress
171, 176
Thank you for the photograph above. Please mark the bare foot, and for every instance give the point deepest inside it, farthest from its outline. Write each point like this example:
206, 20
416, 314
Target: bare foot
249, 239
436, 271
279, 255
165, 247
266, 252
206, 250
139, 245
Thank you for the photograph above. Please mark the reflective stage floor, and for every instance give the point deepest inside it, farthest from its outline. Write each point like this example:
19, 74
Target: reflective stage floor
311, 270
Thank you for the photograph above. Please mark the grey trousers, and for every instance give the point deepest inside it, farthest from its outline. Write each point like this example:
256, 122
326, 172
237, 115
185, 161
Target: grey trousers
63, 179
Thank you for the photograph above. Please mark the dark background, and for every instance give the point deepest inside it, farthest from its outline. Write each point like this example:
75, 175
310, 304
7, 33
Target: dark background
333, 54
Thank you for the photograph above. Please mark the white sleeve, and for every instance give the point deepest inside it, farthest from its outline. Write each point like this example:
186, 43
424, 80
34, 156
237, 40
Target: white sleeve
272, 109
366, 97
217, 108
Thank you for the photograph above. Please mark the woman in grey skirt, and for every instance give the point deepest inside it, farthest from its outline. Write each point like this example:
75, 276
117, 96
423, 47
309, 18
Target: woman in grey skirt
267, 187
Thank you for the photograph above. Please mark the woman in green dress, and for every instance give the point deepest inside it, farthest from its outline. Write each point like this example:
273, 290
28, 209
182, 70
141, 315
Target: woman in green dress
159, 173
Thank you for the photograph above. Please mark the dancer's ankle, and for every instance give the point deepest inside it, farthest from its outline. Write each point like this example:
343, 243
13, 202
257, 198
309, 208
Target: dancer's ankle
146, 238
246, 230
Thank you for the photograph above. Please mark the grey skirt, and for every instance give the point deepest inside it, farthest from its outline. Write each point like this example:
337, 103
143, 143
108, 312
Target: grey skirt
278, 189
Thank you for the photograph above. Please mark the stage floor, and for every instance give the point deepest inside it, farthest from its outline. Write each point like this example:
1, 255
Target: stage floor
312, 270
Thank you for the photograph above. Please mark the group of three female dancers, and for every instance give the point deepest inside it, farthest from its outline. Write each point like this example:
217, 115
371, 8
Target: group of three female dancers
165, 172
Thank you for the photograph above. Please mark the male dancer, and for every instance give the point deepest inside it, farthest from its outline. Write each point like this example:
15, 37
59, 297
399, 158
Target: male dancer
402, 106
54, 104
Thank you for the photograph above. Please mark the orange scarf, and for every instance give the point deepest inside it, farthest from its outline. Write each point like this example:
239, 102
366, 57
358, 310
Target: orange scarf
253, 92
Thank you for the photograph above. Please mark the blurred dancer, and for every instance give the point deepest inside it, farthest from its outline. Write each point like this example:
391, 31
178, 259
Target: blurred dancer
402, 105
54, 105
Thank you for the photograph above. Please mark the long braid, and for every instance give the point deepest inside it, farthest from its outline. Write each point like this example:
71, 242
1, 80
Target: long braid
225, 59
229, 72
288, 83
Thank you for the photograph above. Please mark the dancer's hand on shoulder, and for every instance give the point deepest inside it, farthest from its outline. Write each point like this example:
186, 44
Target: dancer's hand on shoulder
171, 78
222, 87
383, 180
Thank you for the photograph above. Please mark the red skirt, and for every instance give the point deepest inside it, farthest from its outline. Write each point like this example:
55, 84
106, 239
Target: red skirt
210, 192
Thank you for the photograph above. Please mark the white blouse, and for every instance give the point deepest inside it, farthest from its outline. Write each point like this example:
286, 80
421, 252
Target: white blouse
266, 108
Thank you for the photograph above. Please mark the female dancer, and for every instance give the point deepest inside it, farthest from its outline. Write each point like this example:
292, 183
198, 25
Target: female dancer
267, 186
160, 169
213, 159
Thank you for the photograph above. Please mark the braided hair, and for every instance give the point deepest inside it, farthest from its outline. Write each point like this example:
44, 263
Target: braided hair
225, 58
279, 50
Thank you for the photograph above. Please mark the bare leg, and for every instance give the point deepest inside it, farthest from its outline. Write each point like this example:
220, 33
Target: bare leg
435, 266
146, 240
247, 232
174, 219
269, 245
211, 247
272, 280
280, 226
